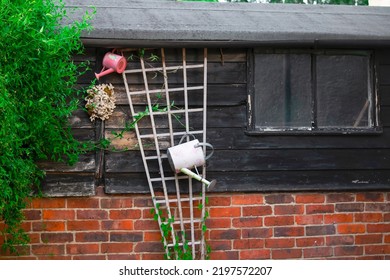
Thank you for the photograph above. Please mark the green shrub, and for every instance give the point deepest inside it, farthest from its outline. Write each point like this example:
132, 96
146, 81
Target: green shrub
37, 95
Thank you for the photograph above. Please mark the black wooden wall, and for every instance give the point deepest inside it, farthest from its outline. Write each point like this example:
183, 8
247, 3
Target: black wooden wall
241, 162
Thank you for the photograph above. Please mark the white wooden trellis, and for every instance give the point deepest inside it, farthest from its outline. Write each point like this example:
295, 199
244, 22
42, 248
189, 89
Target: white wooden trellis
182, 182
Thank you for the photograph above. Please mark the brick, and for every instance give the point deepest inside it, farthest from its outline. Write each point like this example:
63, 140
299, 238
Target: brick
338, 218
187, 212
370, 196
146, 225
226, 255
149, 247
247, 222
122, 247
219, 223
92, 214
248, 244
279, 220
48, 226
309, 220
26, 226
348, 251
255, 254
288, 209
318, 252
152, 236
377, 207
82, 249
125, 214
247, 199
368, 217
148, 256
52, 257
368, 239
350, 207
34, 238
45, 203
148, 213
351, 228
56, 237
142, 202
340, 197
118, 225
319, 209
386, 217
48, 249
320, 230
309, 198
221, 245
225, 212
310, 241
288, 231
257, 211
287, 254
89, 257
256, 233
220, 201
32, 215
126, 236
58, 214
279, 198
378, 228
91, 237
116, 203
340, 240
83, 225
279, 243
387, 238
82, 203
225, 234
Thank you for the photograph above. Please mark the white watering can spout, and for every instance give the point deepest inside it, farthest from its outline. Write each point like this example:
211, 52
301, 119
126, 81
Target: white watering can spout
210, 185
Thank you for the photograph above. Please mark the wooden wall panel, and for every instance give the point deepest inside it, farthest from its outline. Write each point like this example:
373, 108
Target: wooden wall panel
241, 162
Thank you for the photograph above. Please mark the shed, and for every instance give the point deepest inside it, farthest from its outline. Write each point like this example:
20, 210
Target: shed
298, 94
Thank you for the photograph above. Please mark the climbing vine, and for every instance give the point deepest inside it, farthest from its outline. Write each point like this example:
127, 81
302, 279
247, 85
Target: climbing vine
37, 96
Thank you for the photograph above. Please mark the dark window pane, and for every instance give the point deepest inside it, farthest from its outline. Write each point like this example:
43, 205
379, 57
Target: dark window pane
343, 91
283, 91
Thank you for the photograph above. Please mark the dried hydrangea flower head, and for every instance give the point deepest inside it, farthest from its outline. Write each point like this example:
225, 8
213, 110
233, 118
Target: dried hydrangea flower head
100, 101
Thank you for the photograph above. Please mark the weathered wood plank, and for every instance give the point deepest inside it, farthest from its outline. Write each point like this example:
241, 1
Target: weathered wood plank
61, 185
262, 160
384, 75
241, 181
80, 119
382, 57
219, 55
234, 116
89, 54
227, 73
384, 95
218, 95
86, 164
236, 139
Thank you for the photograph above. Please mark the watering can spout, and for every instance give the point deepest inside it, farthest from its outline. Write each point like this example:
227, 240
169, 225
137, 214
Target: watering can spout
103, 73
210, 185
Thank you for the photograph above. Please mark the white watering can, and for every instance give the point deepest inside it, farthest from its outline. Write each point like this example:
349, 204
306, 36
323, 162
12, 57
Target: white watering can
186, 156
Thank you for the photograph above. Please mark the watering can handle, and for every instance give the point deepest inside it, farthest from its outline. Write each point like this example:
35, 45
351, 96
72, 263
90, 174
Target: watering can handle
206, 145
187, 134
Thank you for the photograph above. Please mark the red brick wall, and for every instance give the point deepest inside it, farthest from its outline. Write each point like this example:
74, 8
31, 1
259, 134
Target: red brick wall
241, 226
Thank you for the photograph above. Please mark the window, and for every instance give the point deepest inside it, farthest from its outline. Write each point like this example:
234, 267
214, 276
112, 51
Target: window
312, 92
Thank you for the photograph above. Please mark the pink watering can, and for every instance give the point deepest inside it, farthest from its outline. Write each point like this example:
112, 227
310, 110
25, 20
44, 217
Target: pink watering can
112, 63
